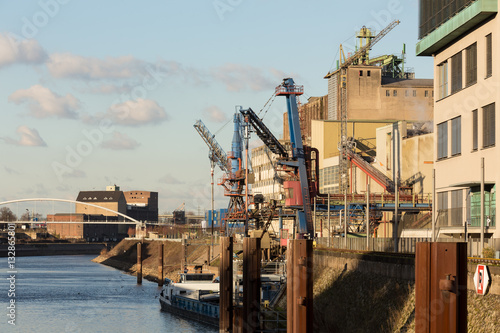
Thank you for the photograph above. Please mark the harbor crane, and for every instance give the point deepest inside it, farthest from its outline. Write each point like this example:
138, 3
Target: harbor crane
231, 165
299, 186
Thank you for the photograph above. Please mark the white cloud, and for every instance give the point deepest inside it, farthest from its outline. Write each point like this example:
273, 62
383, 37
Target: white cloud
169, 179
14, 51
67, 65
120, 141
213, 113
28, 137
44, 103
238, 77
135, 113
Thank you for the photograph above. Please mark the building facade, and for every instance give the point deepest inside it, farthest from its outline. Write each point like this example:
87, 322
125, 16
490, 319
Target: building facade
373, 96
463, 37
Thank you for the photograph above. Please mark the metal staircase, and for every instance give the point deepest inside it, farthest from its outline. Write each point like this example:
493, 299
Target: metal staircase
375, 174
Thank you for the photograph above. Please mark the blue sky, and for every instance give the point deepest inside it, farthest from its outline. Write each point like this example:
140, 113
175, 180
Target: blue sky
94, 93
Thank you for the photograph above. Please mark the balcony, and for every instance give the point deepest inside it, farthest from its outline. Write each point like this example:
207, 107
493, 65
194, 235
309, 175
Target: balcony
458, 25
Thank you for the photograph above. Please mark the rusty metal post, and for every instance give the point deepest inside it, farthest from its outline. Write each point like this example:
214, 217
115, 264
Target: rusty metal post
160, 265
299, 287
441, 287
290, 283
251, 284
139, 264
226, 285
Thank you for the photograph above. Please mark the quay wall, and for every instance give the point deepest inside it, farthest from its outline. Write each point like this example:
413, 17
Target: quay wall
53, 249
400, 266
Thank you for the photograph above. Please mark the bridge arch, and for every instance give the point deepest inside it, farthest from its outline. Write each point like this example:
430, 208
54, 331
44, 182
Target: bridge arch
72, 201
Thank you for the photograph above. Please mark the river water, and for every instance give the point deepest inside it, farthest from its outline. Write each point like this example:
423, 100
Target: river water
73, 294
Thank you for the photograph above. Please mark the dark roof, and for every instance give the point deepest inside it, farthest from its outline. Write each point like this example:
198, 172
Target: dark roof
100, 196
408, 83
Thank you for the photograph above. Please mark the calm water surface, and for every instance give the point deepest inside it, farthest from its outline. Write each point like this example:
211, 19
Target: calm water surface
73, 294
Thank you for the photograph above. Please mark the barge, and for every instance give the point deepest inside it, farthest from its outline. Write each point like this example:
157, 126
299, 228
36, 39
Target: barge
196, 297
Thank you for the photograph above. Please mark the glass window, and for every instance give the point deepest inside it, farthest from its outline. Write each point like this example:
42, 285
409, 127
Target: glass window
456, 135
414, 93
474, 130
368, 73
456, 72
442, 145
442, 209
457, 208
360, 73
443, 80
394, 93
471, 65
489, 125
426, 93
489, 61
388, 93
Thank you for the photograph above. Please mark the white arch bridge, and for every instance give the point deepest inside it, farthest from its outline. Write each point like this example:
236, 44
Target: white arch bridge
129, 219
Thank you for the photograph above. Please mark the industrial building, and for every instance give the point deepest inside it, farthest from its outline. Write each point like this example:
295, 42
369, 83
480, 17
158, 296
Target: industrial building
88, 232
463, 38
139, 205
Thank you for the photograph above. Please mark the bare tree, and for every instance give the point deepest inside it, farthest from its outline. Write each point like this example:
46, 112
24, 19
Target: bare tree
7, 215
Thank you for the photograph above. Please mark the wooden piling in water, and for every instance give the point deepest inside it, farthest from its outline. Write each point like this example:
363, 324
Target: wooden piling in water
139, 264
160, 265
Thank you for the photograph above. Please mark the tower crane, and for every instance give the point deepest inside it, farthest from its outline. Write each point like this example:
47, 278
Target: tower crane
360, 57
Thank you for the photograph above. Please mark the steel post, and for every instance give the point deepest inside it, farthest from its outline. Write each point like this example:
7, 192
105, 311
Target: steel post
252, 255
482, 206
368, 216
346, 214
441, 287
226, 285
329, 226
433, 238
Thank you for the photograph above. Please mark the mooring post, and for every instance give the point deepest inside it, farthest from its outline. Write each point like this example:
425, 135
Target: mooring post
299, 287
139, 264
160, 265
441, 287
226, 285
252, 256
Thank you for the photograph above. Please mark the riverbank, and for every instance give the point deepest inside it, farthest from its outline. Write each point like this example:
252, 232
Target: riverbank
124, 257
53, 249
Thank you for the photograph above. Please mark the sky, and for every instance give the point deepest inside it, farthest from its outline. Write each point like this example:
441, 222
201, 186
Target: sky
96, 93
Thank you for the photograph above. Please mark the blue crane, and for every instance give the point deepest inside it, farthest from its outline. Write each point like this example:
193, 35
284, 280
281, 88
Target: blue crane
298, 161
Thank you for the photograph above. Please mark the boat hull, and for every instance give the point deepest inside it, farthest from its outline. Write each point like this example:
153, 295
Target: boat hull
188, 314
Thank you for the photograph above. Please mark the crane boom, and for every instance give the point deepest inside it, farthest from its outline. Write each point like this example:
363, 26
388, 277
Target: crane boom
365, 48
218, 155
264, 133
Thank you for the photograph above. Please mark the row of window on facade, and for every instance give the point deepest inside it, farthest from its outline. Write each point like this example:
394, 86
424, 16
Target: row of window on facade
407, 93
455, 63
455, 213
488, 132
